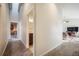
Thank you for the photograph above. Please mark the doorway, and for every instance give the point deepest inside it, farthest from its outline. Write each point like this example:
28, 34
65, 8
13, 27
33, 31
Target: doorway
30, 30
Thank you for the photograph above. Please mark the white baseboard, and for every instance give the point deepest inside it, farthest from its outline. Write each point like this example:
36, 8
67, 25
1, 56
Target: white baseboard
24, 44
5, 47
51, 49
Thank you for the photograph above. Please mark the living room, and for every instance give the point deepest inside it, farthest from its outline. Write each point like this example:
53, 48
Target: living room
69, 13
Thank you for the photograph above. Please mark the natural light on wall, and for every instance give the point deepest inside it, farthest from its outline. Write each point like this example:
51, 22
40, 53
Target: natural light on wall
14, 14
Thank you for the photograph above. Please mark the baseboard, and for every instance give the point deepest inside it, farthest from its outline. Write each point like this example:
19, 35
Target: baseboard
50, 49
5, 47
24, 44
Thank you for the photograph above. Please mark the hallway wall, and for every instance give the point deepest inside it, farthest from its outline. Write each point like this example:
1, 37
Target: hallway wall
24, 12
3, 27
48, 28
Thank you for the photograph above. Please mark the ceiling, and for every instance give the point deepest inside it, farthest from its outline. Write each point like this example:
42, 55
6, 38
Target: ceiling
69, 10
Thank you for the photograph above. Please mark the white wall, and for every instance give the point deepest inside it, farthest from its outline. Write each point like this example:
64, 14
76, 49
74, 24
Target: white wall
70, 11
25, 10
48, 28
3, 27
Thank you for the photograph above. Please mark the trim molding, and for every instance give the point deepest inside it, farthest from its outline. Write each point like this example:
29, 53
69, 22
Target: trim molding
5, 47
24, 44
51, 49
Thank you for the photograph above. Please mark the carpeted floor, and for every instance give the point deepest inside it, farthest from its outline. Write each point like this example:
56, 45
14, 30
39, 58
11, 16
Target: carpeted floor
17, 48
65, 49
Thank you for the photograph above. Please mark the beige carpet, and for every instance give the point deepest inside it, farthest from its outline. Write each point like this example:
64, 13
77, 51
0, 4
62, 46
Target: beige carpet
65, 49
17, 48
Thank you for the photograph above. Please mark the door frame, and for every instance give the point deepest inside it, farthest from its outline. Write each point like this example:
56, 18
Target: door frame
34, 30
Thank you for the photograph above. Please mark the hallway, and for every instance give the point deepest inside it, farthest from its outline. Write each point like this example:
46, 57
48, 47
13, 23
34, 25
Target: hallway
39, 27
17, 48
13, 30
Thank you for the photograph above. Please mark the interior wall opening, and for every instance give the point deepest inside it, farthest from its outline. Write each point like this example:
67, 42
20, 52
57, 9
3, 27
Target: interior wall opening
30, 30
